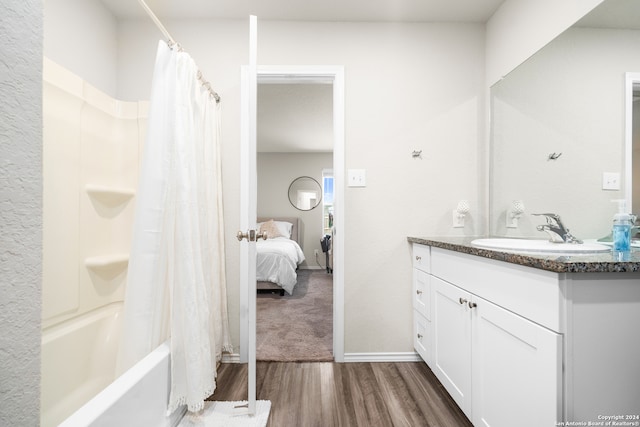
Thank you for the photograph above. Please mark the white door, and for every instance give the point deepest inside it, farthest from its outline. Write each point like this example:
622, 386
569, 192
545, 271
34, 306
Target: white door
248, 213
516, 369
452, 341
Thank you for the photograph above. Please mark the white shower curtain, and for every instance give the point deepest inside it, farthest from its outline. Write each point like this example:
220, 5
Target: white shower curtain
176, 284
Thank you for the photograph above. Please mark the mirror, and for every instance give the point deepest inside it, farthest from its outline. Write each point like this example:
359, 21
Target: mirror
558, 126
305, 193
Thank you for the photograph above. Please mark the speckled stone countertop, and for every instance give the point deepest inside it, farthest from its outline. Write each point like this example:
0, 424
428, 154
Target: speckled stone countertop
592, 263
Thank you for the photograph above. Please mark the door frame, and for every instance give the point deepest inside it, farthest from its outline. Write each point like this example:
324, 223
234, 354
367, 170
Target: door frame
308, 74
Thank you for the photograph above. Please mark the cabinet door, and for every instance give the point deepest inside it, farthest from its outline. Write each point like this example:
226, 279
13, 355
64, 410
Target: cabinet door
452, 341
421, 291
516, 369
422, 336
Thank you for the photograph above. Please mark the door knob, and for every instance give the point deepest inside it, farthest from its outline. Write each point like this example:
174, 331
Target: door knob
251, 235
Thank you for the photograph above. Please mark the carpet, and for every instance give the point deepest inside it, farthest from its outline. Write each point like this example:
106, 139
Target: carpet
297, 327
223, 414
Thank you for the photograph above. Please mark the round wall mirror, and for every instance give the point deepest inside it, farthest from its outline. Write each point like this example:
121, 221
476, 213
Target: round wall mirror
305, 193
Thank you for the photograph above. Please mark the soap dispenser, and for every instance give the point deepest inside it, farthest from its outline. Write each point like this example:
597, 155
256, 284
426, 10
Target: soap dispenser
622, 222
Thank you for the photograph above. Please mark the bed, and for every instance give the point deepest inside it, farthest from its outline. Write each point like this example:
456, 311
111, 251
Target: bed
279, 256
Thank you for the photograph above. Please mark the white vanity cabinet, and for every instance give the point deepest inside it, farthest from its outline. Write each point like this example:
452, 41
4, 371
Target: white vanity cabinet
501, 368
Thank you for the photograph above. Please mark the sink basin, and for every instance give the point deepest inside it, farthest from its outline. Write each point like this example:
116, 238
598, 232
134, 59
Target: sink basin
539, 246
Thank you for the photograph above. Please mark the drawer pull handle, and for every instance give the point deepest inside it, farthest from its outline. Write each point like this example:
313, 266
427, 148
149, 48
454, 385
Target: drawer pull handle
419, 336
462, 300
418, 258
419, 292
472, 305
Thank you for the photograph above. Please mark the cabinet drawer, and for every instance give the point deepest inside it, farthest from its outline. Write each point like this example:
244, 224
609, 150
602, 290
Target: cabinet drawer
422, 336
422, 258
422, 293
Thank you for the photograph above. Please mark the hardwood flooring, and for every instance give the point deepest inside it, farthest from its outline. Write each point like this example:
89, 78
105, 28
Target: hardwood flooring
326, 394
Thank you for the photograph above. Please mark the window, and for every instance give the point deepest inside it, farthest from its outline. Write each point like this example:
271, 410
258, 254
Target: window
327, 201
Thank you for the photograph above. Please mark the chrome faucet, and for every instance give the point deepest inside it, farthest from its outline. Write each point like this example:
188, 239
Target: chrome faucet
556, 230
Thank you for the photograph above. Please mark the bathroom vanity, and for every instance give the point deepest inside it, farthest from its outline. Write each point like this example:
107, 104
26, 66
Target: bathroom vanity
529, 340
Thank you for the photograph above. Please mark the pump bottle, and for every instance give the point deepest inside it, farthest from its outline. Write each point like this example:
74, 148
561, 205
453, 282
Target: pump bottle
622, 222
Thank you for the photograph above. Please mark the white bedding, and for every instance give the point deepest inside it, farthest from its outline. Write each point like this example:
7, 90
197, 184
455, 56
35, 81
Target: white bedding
277, 261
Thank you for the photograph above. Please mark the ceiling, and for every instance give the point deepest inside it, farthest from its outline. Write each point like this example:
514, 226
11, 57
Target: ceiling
325, 10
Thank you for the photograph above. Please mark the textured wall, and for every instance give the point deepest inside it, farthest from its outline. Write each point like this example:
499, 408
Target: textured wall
20, 210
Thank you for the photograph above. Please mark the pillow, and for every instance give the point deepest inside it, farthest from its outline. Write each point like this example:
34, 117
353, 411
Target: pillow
276, 228
271, 228
285, 228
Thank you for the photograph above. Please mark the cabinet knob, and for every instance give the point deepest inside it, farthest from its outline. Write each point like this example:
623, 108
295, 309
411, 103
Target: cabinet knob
418, 258
472, 305
419, 336
462, 300
419, 292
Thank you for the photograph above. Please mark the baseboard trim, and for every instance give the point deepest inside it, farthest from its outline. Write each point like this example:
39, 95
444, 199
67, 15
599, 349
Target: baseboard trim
230, 358
311, 267
411, 356
352, 357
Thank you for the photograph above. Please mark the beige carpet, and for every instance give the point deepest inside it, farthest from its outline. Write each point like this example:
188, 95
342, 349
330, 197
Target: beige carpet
298, 327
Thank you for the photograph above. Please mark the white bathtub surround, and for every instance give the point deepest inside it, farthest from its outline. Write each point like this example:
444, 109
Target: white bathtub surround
224, 414
177, 282
90, 152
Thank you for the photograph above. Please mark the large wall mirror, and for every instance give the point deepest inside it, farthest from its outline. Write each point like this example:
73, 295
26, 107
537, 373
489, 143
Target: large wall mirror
558, 124
305, 193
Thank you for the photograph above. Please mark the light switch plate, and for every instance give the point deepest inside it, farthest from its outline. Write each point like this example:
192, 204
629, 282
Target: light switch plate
357, 178
610, 181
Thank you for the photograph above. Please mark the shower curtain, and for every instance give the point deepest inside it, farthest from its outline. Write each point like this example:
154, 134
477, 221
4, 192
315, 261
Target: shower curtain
176, 285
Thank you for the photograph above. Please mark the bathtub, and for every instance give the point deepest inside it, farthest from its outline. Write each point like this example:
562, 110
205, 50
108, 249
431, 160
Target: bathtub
138, 397
78, 373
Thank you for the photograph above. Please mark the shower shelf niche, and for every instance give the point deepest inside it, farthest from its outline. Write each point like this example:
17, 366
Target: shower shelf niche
110, 196
108, 264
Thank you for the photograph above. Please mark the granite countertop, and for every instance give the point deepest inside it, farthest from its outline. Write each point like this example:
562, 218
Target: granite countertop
591, 263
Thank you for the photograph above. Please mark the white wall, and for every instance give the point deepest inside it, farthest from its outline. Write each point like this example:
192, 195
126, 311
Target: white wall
519, 28
408, 87
276, 171
82, 36
20, 211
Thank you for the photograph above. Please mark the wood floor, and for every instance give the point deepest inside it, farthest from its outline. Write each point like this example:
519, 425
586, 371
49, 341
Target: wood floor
326, 394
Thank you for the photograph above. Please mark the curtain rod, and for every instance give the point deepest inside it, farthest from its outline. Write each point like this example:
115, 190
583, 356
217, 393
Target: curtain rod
172, 43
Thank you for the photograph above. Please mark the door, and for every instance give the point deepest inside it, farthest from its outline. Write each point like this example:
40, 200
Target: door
516, 369
452, 341
248, 199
